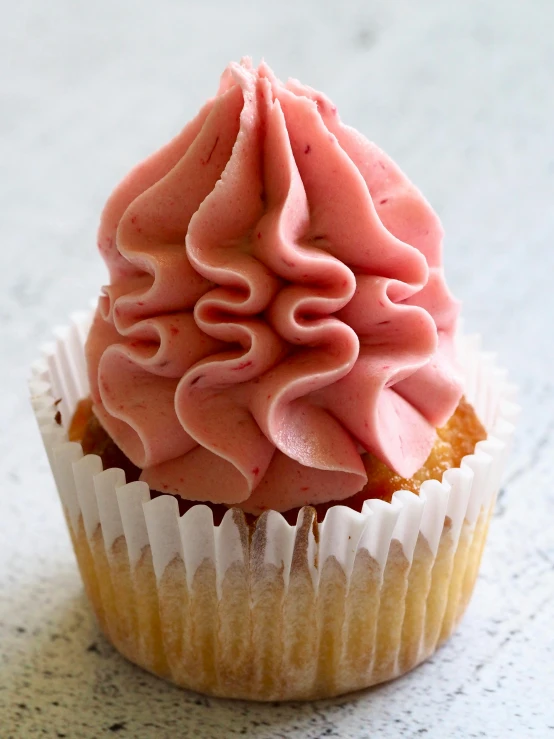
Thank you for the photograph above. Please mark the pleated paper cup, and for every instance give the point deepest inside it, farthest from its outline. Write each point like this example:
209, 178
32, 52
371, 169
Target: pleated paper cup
274, 611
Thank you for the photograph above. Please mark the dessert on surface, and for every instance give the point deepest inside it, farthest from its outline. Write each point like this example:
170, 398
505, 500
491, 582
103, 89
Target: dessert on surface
276, 336
277, 311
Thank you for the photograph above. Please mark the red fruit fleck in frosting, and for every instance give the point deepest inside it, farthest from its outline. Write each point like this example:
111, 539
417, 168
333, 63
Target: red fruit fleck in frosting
276, 315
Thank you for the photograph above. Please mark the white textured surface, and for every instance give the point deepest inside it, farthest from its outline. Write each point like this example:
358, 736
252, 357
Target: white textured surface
460, 94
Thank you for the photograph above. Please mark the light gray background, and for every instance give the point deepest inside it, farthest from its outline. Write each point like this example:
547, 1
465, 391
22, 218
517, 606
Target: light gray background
461, 95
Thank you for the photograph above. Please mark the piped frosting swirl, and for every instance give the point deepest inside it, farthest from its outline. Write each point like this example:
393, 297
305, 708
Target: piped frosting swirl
276, 308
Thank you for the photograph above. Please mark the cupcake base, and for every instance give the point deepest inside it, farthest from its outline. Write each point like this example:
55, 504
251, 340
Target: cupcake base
262, 640
275, 611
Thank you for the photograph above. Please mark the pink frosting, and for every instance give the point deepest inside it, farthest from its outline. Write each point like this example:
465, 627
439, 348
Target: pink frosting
276, 306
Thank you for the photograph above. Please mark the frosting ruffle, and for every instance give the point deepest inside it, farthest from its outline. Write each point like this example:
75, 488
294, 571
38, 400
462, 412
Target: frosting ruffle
276, 306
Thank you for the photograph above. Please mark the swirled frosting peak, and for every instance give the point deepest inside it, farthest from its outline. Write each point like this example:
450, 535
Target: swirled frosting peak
276, 306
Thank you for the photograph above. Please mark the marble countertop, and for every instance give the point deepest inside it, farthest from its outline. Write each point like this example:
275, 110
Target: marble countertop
460, 94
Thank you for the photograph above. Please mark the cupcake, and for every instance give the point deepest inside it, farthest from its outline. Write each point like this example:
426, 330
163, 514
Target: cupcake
276, 457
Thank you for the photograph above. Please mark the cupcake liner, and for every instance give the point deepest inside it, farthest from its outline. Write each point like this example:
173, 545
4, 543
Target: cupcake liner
279, 611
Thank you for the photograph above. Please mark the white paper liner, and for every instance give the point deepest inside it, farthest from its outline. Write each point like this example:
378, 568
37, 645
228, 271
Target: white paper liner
102, 499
